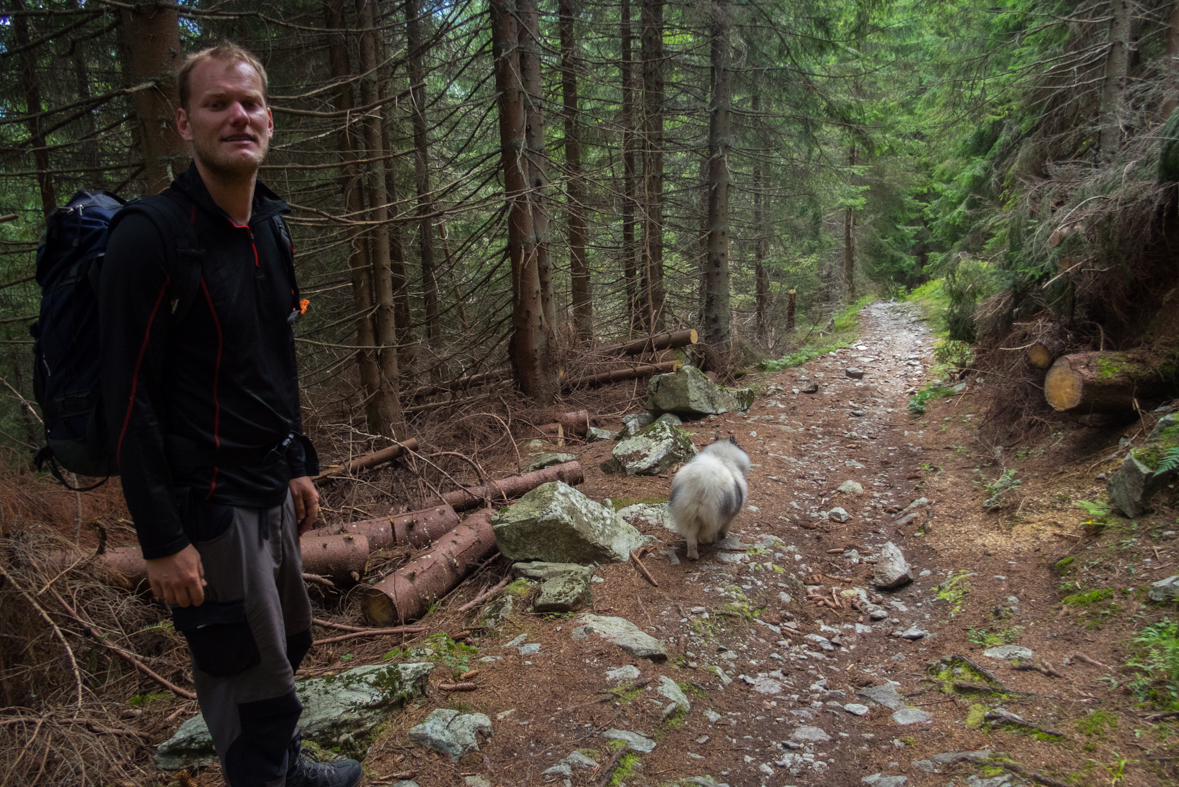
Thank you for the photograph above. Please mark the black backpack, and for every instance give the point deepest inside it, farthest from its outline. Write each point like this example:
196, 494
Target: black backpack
67, 377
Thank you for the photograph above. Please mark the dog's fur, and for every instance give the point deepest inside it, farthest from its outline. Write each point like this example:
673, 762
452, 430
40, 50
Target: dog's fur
708, 493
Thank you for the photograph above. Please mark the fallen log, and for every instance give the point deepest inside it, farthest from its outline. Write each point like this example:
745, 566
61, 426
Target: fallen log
334, 556
342, 559
1041, 356
1102, 382
629, 373
660, 341
576, 423
416, 529
464, 499
406, 594
460, 384
368, 460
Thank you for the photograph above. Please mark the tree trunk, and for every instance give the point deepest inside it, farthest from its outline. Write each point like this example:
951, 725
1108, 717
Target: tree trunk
459, 304
630, 256
1117, 75
629, 373
406, 594
402, 313
503, 490
849, 240
391, 421
537, 157
528, 347
152, 33
369, 460
87, 129
1103, 382
581, 295
359, 269
1172, 69
790, 310
31, 86
760, 246
652, 251
718, 315
341, 558
417, 92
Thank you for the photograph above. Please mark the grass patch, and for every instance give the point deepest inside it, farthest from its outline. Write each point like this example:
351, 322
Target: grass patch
1097, 722
954, 591
1087, 599
917, 404
986, 639
800, 356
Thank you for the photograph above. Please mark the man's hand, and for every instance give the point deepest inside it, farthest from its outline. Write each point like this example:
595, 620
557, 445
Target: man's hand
178, 579
306, 498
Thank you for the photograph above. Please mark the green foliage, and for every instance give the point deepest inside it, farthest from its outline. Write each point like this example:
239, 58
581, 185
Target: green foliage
988, 639
1087, 599
800, 356
934, 391
954, 591
1157, 659
1097, 722
1006, 482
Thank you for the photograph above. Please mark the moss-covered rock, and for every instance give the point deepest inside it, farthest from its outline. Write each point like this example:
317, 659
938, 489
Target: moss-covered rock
558, 524
688, 392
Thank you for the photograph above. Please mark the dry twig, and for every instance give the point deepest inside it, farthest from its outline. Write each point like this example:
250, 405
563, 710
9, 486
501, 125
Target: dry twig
643, 569
56, 631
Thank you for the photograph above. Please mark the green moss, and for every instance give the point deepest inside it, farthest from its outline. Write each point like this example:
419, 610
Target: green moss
1087, 599
1063, 566
520, 588
954, 591
1097, 722
626, 502
625, 769
975, 716
1106, 369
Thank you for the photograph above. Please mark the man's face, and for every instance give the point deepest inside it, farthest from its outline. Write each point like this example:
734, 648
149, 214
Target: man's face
227, 120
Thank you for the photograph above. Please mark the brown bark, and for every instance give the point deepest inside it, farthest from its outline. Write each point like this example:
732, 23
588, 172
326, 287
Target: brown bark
662, 341
359, 269
760, 248
342, 559
575, 423
631, 373
537, 157
31, 87
334, 556
152, 33
790, 309
630, 256
464, 499
421, 160
580, 296
1102, 382
416, 529
389, 405
718, 315
529, 350
1115, 82
369, 460
406, 594
652, 250
402, 313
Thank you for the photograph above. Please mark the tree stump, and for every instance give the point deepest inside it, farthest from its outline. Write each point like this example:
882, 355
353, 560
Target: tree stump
1102, 382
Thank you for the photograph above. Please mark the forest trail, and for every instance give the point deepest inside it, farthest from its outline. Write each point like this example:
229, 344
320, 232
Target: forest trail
785, 689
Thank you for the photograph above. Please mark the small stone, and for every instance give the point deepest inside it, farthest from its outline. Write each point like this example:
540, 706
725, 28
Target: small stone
914, 632
451, 732
838, 514
810, 735
907, 716
1009, 653
1165, 590
850, 488
885, 695
633, 740
854, 373
856, 709
629, 672
811, 388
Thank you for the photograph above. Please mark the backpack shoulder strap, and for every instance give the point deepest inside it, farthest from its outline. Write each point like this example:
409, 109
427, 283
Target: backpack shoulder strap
171, 213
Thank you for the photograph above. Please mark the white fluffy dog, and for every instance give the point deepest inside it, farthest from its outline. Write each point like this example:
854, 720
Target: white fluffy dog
708, 493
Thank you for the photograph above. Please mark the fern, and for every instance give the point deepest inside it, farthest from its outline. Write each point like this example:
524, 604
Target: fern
1169, 460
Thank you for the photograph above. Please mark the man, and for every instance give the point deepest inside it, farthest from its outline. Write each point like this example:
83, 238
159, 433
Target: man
203, 407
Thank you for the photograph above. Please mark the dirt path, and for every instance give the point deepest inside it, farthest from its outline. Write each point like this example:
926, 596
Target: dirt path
775, 679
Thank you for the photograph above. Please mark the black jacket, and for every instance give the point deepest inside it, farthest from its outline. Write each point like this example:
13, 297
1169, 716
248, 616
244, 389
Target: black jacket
223, 376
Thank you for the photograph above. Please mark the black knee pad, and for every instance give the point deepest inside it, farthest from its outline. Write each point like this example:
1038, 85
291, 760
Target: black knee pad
297, 647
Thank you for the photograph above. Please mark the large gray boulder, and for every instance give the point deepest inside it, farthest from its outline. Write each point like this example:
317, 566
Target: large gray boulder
892, 570
688, 392
1165, 590
1134, 484
622, 633
651, 452
451, 732
558, 524
340, 708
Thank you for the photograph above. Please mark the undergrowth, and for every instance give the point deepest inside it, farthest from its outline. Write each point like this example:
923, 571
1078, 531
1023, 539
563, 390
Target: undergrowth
1158, 661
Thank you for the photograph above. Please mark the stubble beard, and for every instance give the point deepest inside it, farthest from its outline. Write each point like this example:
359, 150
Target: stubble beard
230, 169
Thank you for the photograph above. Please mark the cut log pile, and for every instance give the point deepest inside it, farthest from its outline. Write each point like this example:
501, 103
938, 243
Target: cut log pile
1103, 382
340, 553
368, 460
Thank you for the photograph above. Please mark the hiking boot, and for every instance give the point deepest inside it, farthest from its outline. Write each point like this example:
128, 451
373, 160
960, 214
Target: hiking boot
306, 772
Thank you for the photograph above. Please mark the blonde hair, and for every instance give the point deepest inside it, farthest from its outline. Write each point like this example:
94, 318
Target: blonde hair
225, 52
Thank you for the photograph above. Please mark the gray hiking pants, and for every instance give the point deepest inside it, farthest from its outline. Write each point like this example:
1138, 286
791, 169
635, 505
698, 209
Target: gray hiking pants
248, 637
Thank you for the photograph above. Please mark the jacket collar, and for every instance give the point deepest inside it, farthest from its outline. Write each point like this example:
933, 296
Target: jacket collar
266, 203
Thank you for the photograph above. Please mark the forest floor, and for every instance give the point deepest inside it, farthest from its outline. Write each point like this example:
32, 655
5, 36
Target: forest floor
773, 676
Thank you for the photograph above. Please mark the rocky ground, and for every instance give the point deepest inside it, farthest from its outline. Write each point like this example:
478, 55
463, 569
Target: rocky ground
777, 659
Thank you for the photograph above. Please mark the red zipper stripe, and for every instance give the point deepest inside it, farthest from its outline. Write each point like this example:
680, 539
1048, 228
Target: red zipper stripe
138, 364
216, 383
